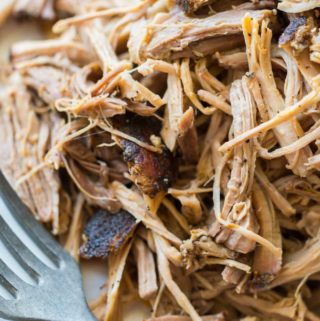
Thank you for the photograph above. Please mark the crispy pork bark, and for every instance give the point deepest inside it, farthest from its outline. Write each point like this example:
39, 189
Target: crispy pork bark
152, 172
106, 233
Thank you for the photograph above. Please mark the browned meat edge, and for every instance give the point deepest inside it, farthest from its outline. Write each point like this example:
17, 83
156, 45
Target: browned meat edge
106, 232
152, 172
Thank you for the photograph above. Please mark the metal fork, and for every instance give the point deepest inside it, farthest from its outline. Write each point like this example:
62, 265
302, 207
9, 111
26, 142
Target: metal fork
57, 294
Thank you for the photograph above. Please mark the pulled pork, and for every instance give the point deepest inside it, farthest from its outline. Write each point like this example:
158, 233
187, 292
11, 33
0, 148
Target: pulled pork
178, 141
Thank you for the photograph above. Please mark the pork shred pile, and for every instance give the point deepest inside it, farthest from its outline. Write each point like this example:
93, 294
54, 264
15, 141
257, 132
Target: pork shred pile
180, 143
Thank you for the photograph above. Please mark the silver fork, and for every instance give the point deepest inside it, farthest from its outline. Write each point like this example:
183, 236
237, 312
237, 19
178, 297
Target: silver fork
57, 294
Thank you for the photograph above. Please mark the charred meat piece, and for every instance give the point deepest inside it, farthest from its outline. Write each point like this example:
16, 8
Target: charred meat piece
190, 6
106, 233
152, 172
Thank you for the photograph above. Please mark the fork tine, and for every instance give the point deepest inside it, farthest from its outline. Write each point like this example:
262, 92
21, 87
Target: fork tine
21, 253
9, 280
35, 230
8, 286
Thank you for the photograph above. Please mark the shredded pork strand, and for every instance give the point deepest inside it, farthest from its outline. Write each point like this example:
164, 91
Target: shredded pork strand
179, 143
265, 264
147, 277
